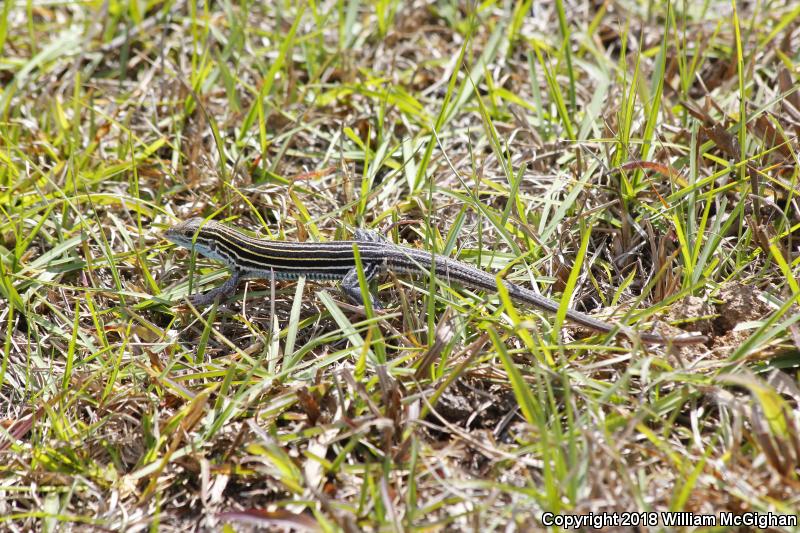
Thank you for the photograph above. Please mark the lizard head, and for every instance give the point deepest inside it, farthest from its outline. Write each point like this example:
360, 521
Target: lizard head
183, 233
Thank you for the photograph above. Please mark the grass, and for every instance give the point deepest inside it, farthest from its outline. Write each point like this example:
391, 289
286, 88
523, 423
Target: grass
637, 161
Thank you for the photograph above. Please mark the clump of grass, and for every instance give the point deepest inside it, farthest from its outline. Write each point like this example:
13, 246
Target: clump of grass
627, 160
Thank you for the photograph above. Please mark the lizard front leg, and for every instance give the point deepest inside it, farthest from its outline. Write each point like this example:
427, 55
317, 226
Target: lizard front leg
224, 291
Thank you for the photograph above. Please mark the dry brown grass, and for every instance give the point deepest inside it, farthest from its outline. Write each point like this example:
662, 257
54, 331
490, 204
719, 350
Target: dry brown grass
660, 146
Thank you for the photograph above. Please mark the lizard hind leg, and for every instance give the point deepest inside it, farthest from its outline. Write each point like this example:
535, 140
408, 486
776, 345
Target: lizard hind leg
368, 235
352, 288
